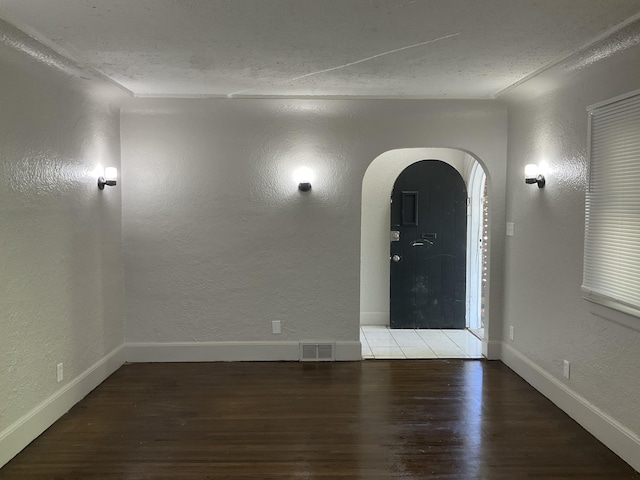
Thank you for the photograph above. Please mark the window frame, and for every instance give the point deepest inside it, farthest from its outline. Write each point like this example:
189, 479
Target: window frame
588, 293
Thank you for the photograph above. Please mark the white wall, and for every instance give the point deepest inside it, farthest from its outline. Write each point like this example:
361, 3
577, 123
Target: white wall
543, 275
218, 240
60, 237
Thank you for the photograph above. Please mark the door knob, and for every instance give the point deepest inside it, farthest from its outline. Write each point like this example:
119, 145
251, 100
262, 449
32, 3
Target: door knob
396, 258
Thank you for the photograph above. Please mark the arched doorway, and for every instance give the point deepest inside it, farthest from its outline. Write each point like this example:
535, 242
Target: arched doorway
375, 234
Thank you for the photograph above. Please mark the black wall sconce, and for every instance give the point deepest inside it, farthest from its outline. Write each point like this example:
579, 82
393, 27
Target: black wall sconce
532, 175
303, 177
110, 178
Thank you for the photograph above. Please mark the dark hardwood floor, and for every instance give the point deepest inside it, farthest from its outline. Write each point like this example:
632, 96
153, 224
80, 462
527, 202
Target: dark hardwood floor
430, 419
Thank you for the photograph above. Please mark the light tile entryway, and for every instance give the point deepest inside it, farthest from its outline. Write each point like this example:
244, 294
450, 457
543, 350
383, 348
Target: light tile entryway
382, 342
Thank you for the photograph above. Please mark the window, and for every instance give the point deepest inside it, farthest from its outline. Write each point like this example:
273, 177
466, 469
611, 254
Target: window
612, 229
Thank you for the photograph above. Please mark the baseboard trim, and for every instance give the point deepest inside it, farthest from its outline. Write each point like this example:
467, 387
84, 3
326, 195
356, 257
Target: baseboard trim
27, 428
374, 318
621, 440
230, 351
492, 349
348, 351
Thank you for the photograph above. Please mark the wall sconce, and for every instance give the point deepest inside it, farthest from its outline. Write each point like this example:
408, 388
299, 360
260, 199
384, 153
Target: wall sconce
304, 186
533, 175
110, 177
303, 177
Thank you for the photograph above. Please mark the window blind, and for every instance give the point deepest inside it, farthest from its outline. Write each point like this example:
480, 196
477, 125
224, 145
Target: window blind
611, 274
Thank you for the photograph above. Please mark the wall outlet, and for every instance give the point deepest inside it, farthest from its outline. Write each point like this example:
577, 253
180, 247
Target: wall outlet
511, 332
511, 229
276, 327
567, 369
60, 372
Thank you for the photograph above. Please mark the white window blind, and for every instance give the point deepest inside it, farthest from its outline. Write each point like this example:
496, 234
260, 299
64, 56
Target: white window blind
612, 228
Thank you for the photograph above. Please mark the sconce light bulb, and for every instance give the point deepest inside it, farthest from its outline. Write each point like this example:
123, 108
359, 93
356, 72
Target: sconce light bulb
109, 177
532, 175
303, 176
531, 172
111, 173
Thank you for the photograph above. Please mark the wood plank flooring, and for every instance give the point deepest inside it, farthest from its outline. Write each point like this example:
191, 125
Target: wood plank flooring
423, 419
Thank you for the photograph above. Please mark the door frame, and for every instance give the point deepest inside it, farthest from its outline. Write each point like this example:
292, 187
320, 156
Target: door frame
475, 189
377, 184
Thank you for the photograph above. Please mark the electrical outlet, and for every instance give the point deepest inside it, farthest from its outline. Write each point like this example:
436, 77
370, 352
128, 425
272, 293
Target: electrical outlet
511, 229
511, 332
276, 327
567, 369
60, 372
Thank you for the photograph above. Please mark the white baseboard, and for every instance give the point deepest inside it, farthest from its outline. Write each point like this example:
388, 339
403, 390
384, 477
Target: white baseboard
374, 318
492, 349
27, 428
348, 351
621, 440
229, 351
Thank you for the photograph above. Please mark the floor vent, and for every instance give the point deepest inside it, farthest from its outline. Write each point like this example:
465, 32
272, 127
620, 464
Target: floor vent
317, 352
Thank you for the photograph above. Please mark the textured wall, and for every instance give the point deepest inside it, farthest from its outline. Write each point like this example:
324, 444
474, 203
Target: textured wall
219, 242
60, 237
548, 124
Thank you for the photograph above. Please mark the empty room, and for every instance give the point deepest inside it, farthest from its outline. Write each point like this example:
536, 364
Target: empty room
358, 239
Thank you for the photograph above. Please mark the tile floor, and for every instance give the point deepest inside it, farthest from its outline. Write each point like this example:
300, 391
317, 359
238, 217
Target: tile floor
382, 342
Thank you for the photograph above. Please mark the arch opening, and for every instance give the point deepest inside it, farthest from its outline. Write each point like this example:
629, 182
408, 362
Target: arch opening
377, 186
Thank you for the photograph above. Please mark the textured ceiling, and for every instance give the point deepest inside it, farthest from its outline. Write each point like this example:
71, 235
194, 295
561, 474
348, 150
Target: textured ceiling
394, 48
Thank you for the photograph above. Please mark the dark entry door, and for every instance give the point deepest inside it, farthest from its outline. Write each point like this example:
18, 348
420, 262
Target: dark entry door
428, 247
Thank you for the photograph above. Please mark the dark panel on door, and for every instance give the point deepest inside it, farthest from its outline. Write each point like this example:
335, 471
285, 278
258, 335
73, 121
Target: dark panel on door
428, 262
